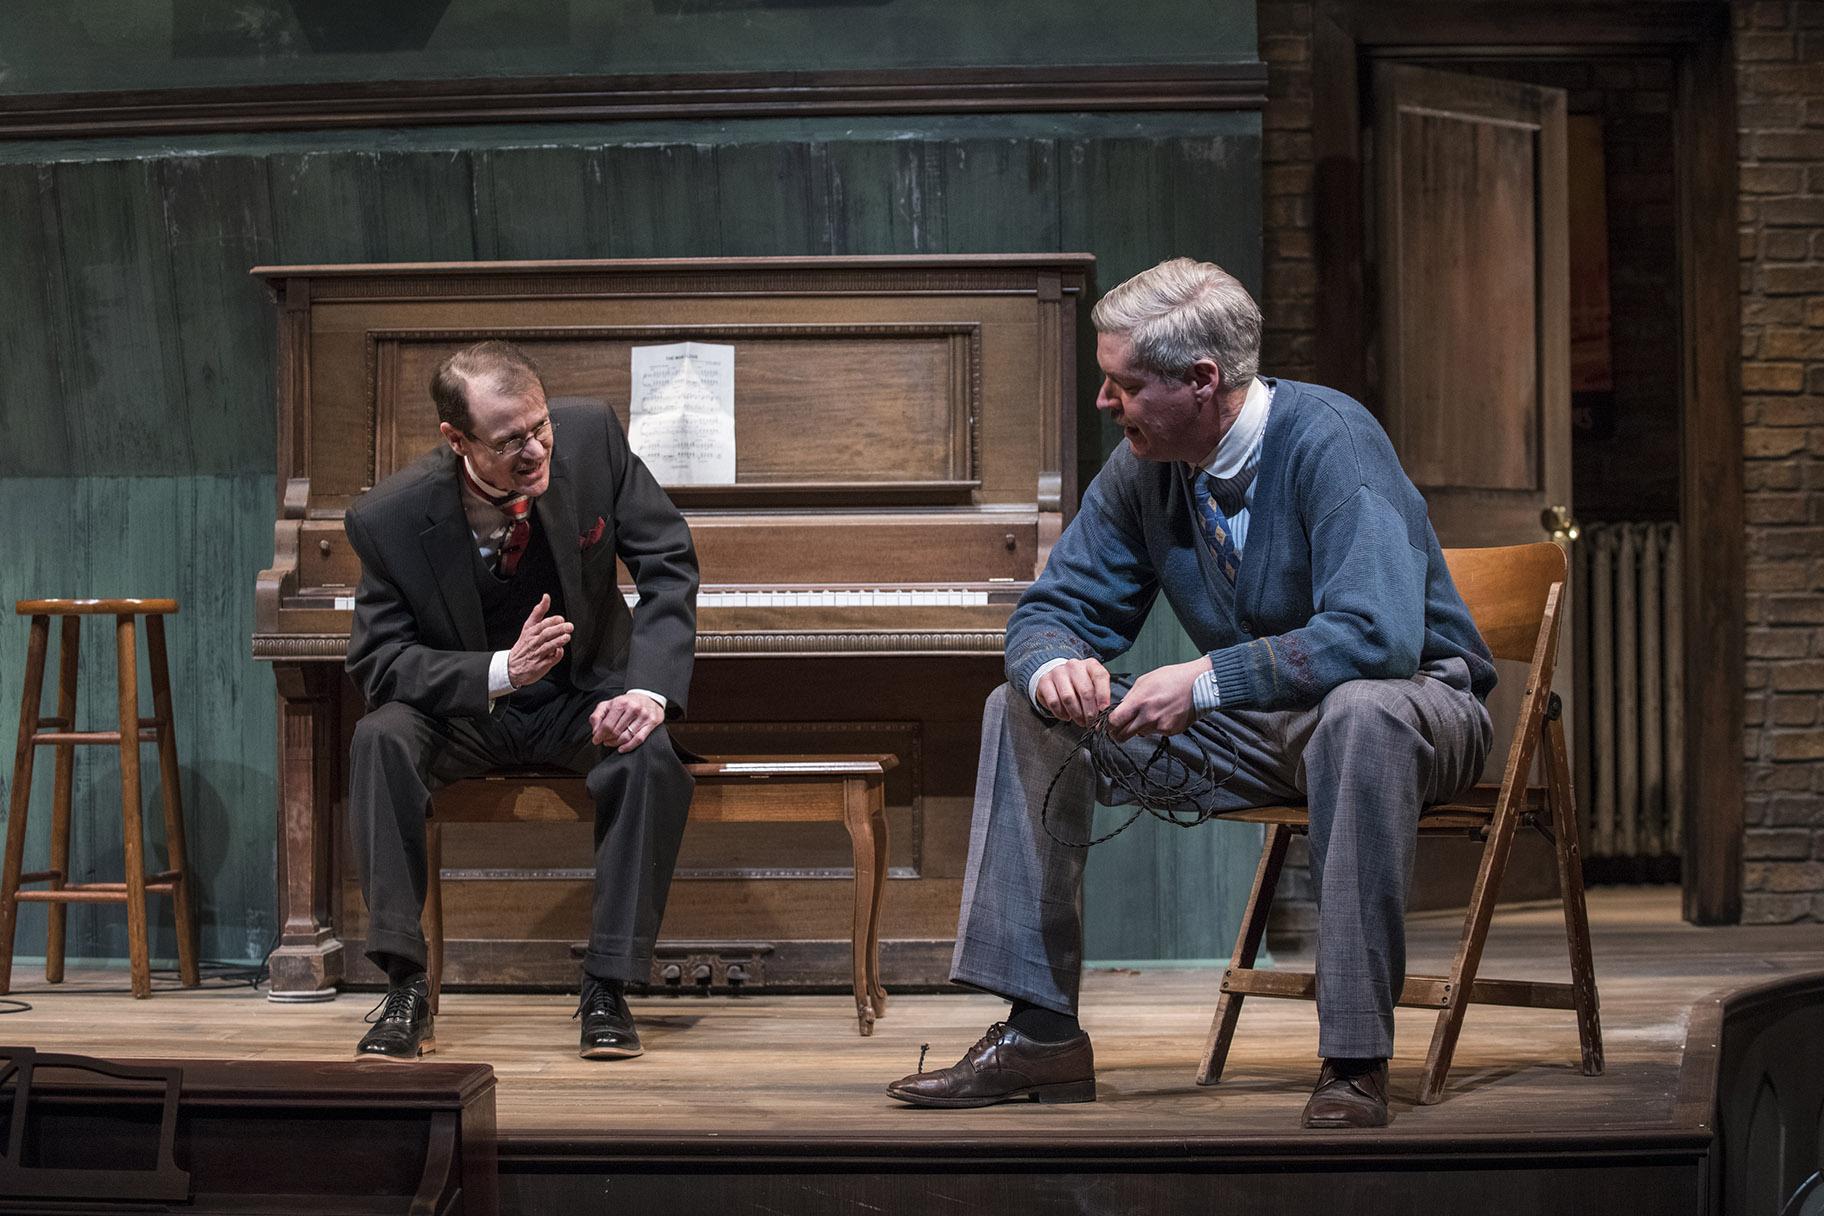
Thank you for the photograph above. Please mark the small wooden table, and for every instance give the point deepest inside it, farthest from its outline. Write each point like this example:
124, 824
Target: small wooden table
845, 789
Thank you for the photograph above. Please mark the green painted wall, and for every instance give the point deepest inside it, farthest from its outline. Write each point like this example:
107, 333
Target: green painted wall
57, 45
136, 367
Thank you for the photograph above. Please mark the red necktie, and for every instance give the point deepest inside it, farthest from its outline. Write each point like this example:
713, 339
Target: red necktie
518, 510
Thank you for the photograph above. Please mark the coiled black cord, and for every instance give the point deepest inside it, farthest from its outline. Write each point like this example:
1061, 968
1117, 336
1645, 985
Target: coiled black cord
1164, 786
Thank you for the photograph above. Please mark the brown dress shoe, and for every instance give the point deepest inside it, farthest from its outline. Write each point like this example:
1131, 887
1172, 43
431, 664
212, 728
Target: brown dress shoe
1005, 1065
1355, 1097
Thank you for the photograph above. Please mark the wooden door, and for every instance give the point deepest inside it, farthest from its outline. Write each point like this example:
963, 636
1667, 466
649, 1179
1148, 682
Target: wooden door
1474, 290
1475, 297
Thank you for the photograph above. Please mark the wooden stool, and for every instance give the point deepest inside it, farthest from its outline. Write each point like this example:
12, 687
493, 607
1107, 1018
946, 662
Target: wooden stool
63, 735
850, 790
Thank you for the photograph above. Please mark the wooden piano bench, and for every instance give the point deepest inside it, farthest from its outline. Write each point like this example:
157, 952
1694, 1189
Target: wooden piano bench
850, 790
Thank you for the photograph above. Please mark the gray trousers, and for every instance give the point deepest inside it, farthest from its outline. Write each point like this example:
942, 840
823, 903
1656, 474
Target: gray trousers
1365, 759
642, 798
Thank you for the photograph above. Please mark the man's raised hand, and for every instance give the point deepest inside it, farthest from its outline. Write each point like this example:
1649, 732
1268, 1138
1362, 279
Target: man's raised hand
541, 644
1076, 690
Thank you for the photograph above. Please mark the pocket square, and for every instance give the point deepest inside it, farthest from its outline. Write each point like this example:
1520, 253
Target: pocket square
593, 537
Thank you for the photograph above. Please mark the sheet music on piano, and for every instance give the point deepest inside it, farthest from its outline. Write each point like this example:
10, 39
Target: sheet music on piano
682, 412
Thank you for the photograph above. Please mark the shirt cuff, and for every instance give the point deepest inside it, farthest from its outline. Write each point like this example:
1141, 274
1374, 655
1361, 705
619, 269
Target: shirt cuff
1032, 685
1206, 696
647, 692
499, 683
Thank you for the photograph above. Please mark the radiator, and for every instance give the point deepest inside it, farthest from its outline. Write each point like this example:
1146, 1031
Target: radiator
1628, 690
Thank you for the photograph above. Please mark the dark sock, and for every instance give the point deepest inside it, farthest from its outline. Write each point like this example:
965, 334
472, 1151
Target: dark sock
400, 971
1351, 1066
614, 987
1045, 1025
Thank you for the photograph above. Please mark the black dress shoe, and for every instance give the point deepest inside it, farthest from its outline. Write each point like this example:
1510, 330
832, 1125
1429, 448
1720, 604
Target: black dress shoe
403, 1027
1004, 1065
1349, 1093
608, 1029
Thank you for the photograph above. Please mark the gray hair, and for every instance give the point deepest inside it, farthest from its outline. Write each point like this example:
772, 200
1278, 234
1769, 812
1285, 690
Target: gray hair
1181, 311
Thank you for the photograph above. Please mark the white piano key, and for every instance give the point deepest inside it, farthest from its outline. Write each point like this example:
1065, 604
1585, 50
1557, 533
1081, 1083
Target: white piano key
853, 597
345, 603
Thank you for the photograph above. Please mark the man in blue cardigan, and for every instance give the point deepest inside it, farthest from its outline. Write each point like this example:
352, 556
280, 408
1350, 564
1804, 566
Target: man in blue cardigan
1338, 662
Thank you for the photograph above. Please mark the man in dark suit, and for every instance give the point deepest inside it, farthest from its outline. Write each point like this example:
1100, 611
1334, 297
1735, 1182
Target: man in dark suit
490, 630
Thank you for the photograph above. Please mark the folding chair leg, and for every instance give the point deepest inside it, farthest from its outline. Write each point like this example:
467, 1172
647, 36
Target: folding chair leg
1469, 951
1576, 918
1247, 947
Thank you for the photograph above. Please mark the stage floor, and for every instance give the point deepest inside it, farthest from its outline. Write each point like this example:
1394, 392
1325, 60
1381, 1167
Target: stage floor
776, 1070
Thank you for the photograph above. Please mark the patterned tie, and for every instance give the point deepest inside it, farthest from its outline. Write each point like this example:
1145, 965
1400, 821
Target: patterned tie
1215, 525
519, 531
518, 510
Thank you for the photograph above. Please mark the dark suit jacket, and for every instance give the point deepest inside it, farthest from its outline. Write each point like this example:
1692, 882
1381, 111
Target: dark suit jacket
418, 635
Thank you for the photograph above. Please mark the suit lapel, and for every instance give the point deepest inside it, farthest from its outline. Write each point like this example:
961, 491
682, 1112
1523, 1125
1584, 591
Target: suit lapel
449, 547
556, 509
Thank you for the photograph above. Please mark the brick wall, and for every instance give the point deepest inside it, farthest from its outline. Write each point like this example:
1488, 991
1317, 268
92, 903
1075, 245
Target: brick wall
1288, 179
1780, 109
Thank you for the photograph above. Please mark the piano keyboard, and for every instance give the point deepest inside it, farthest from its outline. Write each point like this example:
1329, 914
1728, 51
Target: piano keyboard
850, 598
938, 597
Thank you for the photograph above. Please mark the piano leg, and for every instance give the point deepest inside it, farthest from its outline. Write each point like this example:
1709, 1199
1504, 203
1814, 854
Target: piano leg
307, 965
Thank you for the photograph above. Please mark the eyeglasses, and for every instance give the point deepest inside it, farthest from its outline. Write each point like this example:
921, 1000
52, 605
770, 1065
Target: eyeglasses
544, 432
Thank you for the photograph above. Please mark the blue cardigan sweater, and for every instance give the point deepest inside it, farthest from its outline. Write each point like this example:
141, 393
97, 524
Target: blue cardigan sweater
1341, 579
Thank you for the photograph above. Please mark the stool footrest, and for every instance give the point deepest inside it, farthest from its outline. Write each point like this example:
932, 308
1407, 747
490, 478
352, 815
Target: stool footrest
41, 876
48, 738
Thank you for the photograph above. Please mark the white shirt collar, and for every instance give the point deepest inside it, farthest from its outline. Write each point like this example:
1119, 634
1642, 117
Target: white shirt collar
483, 482
1233, 448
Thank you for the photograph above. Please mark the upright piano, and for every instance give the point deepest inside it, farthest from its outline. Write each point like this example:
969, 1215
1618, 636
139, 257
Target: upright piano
904, 459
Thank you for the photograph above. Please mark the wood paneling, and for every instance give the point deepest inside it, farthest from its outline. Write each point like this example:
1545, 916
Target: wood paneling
1462, 197
820, 402
1711, 498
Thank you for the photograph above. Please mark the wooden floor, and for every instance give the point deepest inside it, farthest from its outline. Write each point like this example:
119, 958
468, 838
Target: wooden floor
781, 1069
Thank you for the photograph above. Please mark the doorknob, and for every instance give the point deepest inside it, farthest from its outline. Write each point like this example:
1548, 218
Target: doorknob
1557, 520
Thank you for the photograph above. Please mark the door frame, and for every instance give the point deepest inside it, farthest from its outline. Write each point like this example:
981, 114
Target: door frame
1347, 36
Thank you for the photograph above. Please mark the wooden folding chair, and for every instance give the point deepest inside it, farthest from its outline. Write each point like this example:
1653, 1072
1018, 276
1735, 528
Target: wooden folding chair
1514, 594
